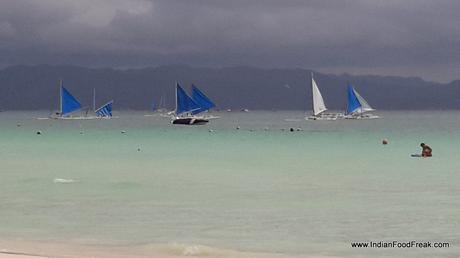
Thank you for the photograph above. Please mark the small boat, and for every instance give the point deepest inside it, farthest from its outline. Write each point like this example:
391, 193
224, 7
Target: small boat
162, 105
105, 111
154, 109
160, 109
69, 106
358, 107
319, 107
185, 106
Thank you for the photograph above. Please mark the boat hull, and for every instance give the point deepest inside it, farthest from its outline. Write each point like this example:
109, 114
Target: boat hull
327, 117
76, 118
80, 117
190, 121
362, 116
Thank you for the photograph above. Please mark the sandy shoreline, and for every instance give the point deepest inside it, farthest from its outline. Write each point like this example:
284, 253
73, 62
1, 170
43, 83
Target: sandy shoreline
25, 249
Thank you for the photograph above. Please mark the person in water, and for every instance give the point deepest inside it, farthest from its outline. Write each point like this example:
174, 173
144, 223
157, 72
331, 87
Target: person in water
426, 150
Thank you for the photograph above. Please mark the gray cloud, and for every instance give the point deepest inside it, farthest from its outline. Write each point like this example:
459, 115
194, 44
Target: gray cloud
371, 36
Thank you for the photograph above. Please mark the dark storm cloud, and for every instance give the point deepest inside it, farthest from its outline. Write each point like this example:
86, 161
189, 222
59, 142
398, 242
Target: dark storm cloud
328, 35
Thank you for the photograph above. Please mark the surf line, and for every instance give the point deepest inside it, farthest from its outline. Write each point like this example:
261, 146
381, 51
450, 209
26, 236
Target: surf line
21, 253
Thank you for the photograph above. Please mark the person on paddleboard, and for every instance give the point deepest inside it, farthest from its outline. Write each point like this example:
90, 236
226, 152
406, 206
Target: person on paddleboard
426, 150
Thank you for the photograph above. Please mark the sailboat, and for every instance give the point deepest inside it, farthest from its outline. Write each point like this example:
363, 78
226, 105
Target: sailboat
68, 106
105, 111
319, 107
358, 107
154, 109
185, 108
162, 104
203, 101
160, 108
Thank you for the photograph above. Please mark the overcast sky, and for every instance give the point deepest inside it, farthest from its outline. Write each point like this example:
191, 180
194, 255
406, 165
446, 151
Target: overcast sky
387, 37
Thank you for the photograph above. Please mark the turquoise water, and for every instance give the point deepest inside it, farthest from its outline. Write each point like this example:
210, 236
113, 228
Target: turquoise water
258, 188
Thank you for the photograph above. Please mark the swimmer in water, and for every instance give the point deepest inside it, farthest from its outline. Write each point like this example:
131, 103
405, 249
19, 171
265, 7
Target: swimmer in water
426, 150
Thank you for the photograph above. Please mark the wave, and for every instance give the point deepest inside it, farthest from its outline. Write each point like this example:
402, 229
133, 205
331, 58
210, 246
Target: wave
174, 250
64, 181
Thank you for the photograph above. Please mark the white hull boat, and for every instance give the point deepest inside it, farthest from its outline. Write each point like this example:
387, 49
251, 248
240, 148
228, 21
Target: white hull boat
358, 108
319, 108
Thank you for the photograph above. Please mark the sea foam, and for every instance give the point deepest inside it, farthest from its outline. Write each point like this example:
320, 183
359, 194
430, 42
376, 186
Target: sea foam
64, 181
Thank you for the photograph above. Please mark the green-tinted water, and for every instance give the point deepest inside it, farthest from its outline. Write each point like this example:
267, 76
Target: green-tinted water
257, 189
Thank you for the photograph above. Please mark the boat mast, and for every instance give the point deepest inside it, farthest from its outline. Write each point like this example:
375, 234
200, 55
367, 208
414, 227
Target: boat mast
94, 99
60, 97
348, 102
161, 103
176, 99
312, 94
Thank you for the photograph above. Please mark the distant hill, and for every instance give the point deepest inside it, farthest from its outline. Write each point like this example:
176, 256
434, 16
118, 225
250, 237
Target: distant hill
36, 87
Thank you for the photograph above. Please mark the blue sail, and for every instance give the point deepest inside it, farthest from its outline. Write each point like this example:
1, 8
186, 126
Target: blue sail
184, 103
202, 100
105, 110
353, 102
69, 103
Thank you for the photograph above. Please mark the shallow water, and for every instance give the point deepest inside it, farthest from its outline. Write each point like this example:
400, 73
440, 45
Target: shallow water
258, 188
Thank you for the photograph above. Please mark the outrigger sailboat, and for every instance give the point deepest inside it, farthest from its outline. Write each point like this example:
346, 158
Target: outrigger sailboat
185, 106
159, 108
319, 107
68, 106
358, 107
105, 111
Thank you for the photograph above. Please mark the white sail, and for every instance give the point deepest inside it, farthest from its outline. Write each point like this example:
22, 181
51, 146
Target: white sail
365, 107
318, 101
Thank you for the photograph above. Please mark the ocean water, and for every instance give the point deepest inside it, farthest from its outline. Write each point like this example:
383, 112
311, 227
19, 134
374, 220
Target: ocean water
258, 189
